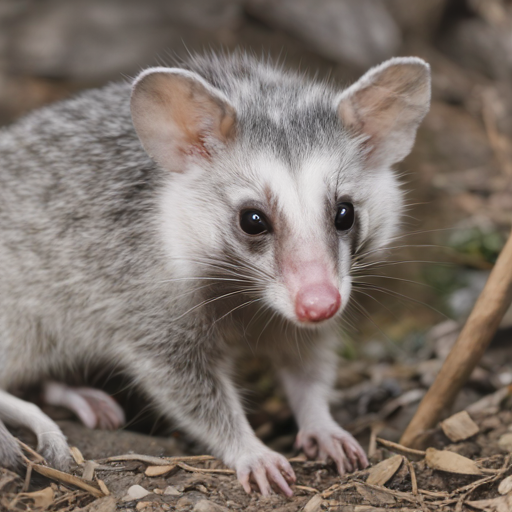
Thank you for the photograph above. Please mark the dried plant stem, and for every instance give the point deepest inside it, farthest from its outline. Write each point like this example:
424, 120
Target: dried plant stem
476, 335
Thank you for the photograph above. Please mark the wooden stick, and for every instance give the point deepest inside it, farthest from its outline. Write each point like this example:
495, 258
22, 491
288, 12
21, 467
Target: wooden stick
474, 338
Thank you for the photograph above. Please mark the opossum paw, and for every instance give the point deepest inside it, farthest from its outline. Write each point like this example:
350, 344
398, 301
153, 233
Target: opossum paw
54, 448
334, 442
94, 408
266, 470
10, 451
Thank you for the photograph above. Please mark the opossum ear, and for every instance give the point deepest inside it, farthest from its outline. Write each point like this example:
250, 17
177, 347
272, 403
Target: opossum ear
386, 106
178, 115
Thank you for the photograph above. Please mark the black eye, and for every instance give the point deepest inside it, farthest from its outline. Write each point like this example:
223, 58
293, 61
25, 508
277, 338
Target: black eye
345, 215
254, 222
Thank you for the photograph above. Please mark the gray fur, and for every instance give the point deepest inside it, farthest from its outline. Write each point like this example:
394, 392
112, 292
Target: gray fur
85, 275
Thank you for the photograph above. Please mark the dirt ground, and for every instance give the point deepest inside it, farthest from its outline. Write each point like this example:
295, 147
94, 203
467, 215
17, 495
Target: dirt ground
402, 322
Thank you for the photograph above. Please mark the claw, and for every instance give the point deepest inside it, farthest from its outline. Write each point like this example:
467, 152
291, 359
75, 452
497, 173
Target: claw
335, 443
268, 471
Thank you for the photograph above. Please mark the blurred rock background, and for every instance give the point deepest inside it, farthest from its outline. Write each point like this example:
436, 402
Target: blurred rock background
459, 176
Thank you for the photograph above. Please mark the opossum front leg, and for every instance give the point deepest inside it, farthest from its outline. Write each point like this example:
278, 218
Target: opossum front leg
308, 385
192, 386
51, 443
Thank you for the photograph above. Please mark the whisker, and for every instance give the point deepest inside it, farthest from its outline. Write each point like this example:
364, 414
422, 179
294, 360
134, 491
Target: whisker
399, 296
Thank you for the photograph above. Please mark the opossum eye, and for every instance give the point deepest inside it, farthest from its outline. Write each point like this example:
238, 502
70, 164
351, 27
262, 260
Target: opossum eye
254, 222
344, 219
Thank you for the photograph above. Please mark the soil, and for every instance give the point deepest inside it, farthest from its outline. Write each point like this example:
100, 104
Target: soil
460, 196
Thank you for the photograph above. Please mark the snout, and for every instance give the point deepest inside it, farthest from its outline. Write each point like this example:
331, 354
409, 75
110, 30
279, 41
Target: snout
317, 302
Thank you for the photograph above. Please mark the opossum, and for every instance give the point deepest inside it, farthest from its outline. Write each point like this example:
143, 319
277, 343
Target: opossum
168, 225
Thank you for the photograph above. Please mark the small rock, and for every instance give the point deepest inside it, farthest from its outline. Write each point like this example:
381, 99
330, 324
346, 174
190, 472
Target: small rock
505, 442
208, 506
184, 502
136, 492
360, 33
172, 491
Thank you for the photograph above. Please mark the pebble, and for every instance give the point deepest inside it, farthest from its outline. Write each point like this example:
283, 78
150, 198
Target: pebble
136, 492
208, 506
171, 490
505, 442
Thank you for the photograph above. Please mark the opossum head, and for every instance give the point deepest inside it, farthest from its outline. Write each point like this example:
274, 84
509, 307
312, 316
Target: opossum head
277, 182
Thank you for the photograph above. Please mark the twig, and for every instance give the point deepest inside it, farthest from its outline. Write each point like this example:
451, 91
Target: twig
37, 456
374, 432
400, 447
60, 476
476, 335
28, 476
414, 484
157, 461
186, 467
307, 489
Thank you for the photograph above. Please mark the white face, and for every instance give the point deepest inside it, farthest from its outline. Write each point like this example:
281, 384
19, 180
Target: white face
291, 232
277, 190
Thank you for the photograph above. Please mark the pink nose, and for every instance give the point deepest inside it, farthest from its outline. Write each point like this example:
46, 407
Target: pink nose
317, 302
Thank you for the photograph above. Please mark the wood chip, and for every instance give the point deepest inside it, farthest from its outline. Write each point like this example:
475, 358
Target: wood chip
459, 427
42, 499
314, 504
60, 476
385, 470
103, 487
88, 473
159, 470
77, 455
445, 460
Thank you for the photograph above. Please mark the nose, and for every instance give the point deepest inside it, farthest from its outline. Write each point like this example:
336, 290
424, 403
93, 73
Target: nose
317, 302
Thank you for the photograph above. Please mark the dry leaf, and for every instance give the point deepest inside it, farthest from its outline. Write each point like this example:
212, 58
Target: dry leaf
501, 504
490, 404
376, 497
505, 485
42, 499
459, 427
159, 470
384, 471
451, 462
